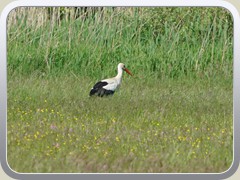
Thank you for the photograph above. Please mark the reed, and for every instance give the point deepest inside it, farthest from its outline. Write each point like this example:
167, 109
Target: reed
159, 42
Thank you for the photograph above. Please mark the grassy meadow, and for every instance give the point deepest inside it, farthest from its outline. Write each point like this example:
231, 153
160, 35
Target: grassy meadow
174, 114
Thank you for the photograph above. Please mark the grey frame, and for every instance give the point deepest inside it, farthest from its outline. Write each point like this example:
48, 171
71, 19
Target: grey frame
157, 3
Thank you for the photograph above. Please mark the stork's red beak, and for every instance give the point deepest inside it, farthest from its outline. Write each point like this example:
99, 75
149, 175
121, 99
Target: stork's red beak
128, 71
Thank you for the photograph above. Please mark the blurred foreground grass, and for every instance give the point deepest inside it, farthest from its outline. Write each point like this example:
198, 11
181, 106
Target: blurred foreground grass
153, 126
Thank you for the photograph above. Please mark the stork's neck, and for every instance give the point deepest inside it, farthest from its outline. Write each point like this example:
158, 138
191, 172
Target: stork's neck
119, 75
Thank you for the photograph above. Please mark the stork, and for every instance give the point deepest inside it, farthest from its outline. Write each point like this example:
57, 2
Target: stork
107, 87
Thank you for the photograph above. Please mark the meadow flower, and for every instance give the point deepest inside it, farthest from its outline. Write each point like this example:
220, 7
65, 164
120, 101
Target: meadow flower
105, 153
113, 120
53, 127
56, 145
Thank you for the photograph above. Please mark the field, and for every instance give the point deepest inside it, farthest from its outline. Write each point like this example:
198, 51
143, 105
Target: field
173, 115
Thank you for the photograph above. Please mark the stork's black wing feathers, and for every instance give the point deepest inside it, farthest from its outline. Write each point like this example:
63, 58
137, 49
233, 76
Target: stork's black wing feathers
97, 87
99, 84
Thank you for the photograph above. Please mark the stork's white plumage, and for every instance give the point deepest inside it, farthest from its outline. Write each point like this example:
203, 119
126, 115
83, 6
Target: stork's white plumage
108, 86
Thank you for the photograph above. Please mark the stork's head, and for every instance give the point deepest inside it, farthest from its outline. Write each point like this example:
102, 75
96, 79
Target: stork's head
122, 66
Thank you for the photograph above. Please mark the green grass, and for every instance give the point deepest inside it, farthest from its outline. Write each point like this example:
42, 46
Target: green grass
159, 42
167, 126
173, 115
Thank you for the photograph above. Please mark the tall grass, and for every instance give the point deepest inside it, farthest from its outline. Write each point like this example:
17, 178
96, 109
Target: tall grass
159, 42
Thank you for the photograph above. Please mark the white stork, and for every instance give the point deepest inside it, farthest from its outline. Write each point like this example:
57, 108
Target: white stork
108, 86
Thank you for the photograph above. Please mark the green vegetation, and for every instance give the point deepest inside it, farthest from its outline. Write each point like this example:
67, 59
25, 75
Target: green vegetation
173, 115
159, 42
